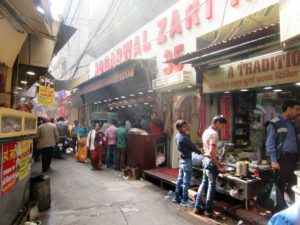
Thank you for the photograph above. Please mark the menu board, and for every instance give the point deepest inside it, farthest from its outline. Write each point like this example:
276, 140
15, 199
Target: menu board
24, 152
9, 166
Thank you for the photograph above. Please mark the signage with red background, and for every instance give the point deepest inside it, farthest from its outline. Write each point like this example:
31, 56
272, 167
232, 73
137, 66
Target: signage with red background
9, 166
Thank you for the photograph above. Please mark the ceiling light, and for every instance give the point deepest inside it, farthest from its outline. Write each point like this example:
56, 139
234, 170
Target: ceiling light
99, 102
277, 90
19, 88
146, 103
123, 97
226, 92
95, 103
109, 99
40, 10
140, 93
129, 106
131, 95
169, 90
244, 90
150, 91
298, 84
117, 98
268, 88
23, 82
105, 100
30, 73
117, 107
122, 106
16, 92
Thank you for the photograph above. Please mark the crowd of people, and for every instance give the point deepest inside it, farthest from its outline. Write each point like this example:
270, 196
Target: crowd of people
103, 146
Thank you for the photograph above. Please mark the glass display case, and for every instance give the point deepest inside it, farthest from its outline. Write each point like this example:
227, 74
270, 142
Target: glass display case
15, 123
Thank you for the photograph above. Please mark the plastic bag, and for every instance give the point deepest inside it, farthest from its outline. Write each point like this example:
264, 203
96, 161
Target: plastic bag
271, 198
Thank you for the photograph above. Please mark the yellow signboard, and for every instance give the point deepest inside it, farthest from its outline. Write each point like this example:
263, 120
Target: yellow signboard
266, 70
46, 91
25, 148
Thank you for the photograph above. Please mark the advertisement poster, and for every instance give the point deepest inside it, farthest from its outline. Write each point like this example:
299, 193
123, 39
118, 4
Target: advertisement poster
25, 150
270, 69
46, 91
9, 168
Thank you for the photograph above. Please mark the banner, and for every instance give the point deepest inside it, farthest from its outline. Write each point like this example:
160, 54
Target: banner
272, 69
25, 150
46, 91
9, 168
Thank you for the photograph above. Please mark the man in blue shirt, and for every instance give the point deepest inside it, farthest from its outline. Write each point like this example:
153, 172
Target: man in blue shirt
185, 148
281, 145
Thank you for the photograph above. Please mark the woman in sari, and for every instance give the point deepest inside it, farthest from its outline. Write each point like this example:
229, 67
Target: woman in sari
82, 152
95, 142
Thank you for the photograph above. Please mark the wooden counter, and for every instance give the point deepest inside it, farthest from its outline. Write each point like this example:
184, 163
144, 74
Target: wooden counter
141, 151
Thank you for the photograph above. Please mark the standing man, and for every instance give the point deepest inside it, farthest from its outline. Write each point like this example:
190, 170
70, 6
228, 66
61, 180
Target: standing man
185, 148
74, 135
63, 131
111, 155
282, 146
47, 138
121, 135
211, 166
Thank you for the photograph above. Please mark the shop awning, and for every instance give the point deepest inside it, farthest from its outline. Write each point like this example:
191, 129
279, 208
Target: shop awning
237, 45
127, 78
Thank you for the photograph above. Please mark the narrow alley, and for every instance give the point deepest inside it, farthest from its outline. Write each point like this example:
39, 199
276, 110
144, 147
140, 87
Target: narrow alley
82, 196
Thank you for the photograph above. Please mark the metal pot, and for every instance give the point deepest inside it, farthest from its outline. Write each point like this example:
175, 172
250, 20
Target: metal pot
229, 146
242, 169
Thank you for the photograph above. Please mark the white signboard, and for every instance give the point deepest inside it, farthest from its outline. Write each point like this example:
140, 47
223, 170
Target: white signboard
174, 33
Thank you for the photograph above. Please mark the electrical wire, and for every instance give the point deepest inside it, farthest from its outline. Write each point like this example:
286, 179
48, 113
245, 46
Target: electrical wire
239, 26
154, 39
222, 22
76, 63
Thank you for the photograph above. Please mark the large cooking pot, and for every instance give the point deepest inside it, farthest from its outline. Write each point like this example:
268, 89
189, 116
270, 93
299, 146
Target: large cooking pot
242, 168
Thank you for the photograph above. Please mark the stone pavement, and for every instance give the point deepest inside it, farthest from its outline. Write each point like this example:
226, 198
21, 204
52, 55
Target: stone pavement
82, 196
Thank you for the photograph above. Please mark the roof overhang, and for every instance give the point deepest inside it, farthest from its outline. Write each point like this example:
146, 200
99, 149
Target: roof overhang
262, 37
21, 19
126, 78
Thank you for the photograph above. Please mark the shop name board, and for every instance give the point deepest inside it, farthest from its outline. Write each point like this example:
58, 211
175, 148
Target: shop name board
159, 33
109, 80
271, 69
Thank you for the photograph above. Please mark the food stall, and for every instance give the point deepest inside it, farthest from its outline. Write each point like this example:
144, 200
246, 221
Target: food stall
17, 130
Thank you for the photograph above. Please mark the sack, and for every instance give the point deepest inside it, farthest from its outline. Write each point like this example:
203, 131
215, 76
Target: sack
271, 198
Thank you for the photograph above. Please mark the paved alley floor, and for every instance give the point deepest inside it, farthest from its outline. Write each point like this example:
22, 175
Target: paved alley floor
81, 196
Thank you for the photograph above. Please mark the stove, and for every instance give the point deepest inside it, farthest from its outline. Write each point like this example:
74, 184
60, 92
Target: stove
241, 188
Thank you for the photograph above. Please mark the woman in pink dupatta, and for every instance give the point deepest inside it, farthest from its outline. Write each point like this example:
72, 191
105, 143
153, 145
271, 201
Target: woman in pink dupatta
95, 142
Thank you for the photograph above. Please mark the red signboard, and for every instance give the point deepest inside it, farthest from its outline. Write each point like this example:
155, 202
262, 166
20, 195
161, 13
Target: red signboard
9, 168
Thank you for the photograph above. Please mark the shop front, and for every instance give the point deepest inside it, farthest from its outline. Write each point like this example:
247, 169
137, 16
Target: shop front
125, 94
256, 88
248, 90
